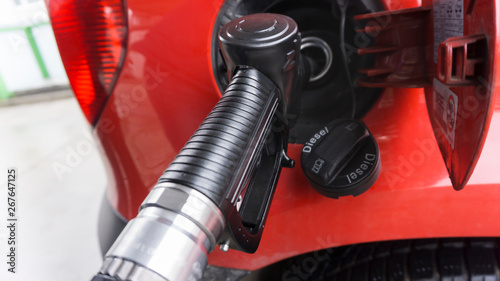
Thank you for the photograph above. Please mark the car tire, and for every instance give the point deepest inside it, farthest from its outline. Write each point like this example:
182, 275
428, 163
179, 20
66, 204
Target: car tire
427, 259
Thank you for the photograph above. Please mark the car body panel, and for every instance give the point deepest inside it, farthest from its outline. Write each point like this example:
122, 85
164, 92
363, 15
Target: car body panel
165, 90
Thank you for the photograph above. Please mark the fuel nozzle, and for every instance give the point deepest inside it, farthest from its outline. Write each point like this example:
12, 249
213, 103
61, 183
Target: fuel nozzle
237, 152
270, 43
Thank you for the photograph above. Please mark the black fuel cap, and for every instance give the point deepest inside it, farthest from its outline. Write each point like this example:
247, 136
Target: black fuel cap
341, 159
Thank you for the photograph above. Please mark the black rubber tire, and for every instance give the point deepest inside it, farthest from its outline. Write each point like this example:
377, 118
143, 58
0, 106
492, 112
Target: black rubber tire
427, 259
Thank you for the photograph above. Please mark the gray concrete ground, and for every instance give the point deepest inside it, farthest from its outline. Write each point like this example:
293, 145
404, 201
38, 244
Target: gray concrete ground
60, 186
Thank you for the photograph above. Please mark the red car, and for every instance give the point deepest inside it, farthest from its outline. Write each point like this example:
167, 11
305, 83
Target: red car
421, 76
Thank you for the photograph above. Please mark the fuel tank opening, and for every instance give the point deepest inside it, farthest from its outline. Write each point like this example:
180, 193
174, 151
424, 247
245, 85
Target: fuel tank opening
319, 55
332, 91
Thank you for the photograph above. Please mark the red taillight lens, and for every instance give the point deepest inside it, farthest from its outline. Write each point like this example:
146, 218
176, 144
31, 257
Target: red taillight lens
91, 36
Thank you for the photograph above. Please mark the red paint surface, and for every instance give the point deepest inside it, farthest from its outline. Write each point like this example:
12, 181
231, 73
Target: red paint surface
166, 89
164, 92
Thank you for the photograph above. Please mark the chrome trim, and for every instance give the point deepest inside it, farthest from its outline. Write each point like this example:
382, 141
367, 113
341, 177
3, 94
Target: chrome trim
127, 270
316, 42
171, 237
190, 203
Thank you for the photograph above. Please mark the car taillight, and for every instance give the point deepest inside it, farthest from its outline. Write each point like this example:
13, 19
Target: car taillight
92, 37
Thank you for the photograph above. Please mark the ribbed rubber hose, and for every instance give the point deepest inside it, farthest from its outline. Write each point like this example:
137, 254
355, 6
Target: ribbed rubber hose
216, 158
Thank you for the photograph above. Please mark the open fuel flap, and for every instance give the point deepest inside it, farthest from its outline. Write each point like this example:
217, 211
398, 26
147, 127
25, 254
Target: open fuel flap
450, 48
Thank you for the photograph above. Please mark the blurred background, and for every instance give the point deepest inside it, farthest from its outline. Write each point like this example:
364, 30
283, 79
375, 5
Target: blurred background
28, 51
45, 136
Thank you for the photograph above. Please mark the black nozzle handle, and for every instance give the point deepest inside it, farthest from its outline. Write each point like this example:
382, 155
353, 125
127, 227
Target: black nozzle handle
238, 147
269, 43
221, 154
194, 205
219, 188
